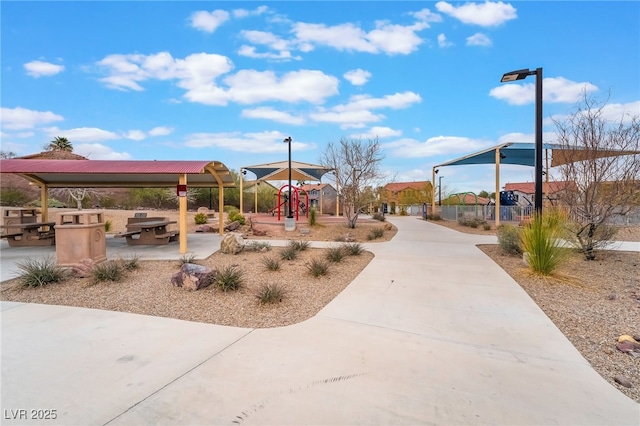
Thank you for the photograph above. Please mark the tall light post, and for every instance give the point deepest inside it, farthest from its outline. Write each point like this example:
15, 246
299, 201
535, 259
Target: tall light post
521, 75
289, 223
440, 190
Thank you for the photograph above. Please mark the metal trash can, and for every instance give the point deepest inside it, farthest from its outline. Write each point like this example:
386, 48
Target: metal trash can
80, 235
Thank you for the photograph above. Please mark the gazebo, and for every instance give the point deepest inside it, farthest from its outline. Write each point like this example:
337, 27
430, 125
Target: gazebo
123, 174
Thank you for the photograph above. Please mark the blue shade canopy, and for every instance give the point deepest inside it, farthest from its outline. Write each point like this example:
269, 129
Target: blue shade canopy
280, 171
523, 154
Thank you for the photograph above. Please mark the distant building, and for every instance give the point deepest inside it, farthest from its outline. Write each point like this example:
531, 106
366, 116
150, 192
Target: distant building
322, 196
406, 197
524, 192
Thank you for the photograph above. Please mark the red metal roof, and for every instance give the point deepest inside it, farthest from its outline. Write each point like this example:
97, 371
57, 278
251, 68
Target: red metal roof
529, 187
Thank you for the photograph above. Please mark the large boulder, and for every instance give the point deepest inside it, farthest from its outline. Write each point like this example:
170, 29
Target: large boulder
232, 243
193, 277
233, 226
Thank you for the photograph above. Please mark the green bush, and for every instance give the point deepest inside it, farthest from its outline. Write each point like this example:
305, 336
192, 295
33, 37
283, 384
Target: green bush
434, 217
486, 226
235, 215
375, 233
35, 273
270, 293
131, 263
542, 241
111, 270
335, 254
317, 267
229, 278
313, 217
300, 245
200, 218
509, 239
379, 216
13, 197
471, 222
271, 264
353, 249
289, 253
187, 258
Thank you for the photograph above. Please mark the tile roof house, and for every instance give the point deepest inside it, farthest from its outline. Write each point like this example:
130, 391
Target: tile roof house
400, 196
322, 196
526, 190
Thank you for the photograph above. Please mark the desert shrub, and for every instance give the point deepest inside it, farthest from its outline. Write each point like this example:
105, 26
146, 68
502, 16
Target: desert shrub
229, 278
200, 218
542, 241
187, 258
108, 225
289, 253
228, 209
486, 226
509, 239
271, 263
335, 254
235, 215
270, 293
403, 211
471, 222
313, 217
353, 249
130, 263
111, 270
36, 273
317, 267
375, 233
379, 216
257, 246
13, 197
299, 245
434, 217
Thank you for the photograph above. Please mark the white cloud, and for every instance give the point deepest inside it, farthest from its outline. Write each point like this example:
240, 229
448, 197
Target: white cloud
487, 14
96, 151
612, 112
478, 39
264, 142
82, 134
243, 13
377, 132
439, 145
554, 90
135, 135
249, 86
443, 42
208, 21
160, 131
356, 114
21, 118
38, 69
269, 40
386, 38
357, 77
426, 16
272, 114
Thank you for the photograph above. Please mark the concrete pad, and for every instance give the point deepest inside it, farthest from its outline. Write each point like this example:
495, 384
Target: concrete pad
92, 365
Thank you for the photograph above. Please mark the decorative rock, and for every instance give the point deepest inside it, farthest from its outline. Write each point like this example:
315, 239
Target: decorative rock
232, 243
259, 232
623, 381
83, 268
629, 347
205, 228
232, 226
193, 277
304, 231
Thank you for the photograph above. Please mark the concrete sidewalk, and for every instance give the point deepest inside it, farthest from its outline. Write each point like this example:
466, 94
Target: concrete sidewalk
431, 332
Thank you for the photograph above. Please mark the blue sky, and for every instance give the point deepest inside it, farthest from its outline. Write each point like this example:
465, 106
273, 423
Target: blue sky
228, 81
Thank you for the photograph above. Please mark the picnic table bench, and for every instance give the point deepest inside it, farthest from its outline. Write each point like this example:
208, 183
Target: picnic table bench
31, 234
148, 231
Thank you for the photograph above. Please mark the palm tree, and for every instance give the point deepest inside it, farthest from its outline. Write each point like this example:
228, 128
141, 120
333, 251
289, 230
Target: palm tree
60, 144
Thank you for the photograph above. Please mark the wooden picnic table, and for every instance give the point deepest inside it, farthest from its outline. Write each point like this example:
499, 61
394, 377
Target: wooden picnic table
30, 234
151, 232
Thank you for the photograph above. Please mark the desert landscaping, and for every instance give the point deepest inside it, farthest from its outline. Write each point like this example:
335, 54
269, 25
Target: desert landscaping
591, 302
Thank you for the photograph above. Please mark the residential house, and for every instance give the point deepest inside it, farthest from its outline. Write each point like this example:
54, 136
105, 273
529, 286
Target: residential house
322, 196
407, 197
524, 192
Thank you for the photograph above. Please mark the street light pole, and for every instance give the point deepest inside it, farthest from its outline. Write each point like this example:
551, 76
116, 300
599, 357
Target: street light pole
289, 223
520, 75
440, 190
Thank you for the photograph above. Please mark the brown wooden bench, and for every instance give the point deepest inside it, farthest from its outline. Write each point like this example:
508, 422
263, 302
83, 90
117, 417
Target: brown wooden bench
126, 234
13, 236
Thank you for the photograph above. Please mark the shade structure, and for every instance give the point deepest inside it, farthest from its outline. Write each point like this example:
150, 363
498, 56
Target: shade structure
523, 154
280, 171
118, 174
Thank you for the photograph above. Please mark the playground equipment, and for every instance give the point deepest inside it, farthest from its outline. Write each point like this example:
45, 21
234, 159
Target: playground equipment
283, 202
508, 198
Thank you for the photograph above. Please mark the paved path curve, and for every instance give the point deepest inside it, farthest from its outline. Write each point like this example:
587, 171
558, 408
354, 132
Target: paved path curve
431, 332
